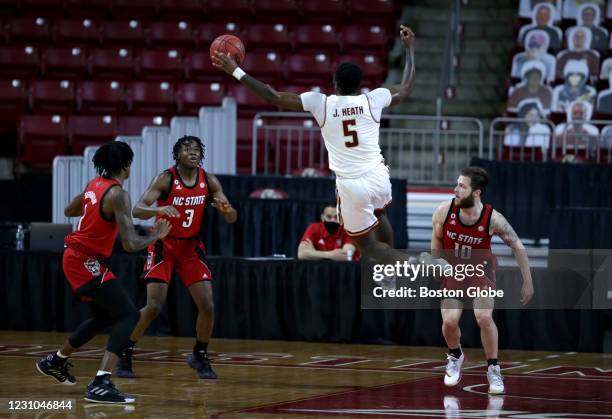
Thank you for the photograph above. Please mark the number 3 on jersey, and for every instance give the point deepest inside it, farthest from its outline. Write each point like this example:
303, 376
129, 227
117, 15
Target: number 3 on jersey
189, 220
349, 133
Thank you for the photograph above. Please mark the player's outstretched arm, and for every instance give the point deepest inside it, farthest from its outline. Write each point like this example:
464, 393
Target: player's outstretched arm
284, 100
220, 201
501, 227
160, 186
119, 201
399, 92
75, 207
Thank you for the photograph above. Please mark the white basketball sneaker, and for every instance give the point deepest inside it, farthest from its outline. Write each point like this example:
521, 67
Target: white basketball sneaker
453, 370
496, 381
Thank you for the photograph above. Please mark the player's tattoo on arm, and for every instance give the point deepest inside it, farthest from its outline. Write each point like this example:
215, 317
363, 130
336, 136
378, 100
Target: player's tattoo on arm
505, 231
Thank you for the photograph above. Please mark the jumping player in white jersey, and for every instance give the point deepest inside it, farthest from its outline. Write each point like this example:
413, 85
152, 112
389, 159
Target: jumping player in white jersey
350, 125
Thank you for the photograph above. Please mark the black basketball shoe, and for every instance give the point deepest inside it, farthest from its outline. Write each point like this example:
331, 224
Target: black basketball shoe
124, 366
56, 367
102, 390
201, 364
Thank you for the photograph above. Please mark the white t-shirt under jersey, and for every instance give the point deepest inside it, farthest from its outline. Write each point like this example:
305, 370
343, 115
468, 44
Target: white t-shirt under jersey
350, 127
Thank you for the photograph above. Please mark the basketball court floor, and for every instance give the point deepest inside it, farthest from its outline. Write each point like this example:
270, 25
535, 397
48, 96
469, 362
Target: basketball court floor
272, 379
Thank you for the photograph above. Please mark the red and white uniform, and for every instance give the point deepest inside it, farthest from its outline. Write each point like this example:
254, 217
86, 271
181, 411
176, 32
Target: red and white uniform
93, 239
469, 244
182, 248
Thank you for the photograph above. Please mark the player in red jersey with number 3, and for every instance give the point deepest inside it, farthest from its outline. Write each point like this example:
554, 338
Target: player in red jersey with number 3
179, 195
462, 230
104, 207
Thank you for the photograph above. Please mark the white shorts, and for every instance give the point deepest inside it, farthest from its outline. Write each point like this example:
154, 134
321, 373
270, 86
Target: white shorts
358, 199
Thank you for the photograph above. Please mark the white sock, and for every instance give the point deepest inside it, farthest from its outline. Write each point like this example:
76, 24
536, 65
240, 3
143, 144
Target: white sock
59, 353
100, 372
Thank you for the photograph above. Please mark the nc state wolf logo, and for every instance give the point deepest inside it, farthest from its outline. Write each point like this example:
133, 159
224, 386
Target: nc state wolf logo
93, 266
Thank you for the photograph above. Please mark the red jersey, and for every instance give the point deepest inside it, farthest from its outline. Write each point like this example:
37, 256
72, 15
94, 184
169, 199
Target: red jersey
94, 234
460, 240
322, 240
189, 201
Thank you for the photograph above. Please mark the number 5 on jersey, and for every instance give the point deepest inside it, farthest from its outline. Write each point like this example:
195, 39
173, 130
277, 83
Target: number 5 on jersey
346, 124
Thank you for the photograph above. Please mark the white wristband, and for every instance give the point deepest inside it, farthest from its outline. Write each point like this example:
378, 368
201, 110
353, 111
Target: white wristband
238, 73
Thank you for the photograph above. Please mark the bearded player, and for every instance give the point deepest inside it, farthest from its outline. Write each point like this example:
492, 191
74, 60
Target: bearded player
462, 232
179, 194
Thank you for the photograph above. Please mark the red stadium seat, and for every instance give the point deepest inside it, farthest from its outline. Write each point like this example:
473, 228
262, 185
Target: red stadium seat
84, 131
153, 98
52, 96
112, 64
266, 36
47, 8
285, 11
9, 7
324, 11
370, 39
19, 62
73, 32
309, 68
248, 102
128, 9
180, 9
64, 63
91, 9
41, 138
266, 66
374, 12
244, 145
372, 67
13, 100
133, 125
316, 38
123, 33
28, 30
192, 96
161, 65
101, 97
171, 34
219, 10
209, 31
199, 67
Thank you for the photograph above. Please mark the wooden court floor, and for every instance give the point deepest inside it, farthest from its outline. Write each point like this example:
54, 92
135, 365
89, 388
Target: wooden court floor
272, 379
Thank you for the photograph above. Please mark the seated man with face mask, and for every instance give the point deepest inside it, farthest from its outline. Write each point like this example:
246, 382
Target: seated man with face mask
327, 239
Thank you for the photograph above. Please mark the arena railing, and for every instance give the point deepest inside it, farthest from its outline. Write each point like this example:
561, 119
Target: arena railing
422, 149
579, 141
517, 139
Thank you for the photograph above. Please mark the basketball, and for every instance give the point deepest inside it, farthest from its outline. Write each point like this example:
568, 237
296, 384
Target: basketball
228, 44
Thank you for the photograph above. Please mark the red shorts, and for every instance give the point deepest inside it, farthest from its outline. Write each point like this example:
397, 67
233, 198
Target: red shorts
82, 269
184, 255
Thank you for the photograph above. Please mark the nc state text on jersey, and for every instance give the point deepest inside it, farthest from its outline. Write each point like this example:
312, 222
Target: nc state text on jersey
463, 238
190, 200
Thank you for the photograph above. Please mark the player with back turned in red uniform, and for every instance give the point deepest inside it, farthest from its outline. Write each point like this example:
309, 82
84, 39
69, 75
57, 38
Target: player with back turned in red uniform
104, 207
179, 194
462, 231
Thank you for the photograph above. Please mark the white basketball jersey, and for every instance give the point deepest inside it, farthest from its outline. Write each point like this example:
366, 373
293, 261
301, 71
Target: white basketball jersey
350, 128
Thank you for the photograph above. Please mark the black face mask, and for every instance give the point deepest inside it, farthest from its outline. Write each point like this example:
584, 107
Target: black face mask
331, 226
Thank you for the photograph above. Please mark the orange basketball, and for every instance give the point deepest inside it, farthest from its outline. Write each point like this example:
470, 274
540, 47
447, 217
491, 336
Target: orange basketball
229, 44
